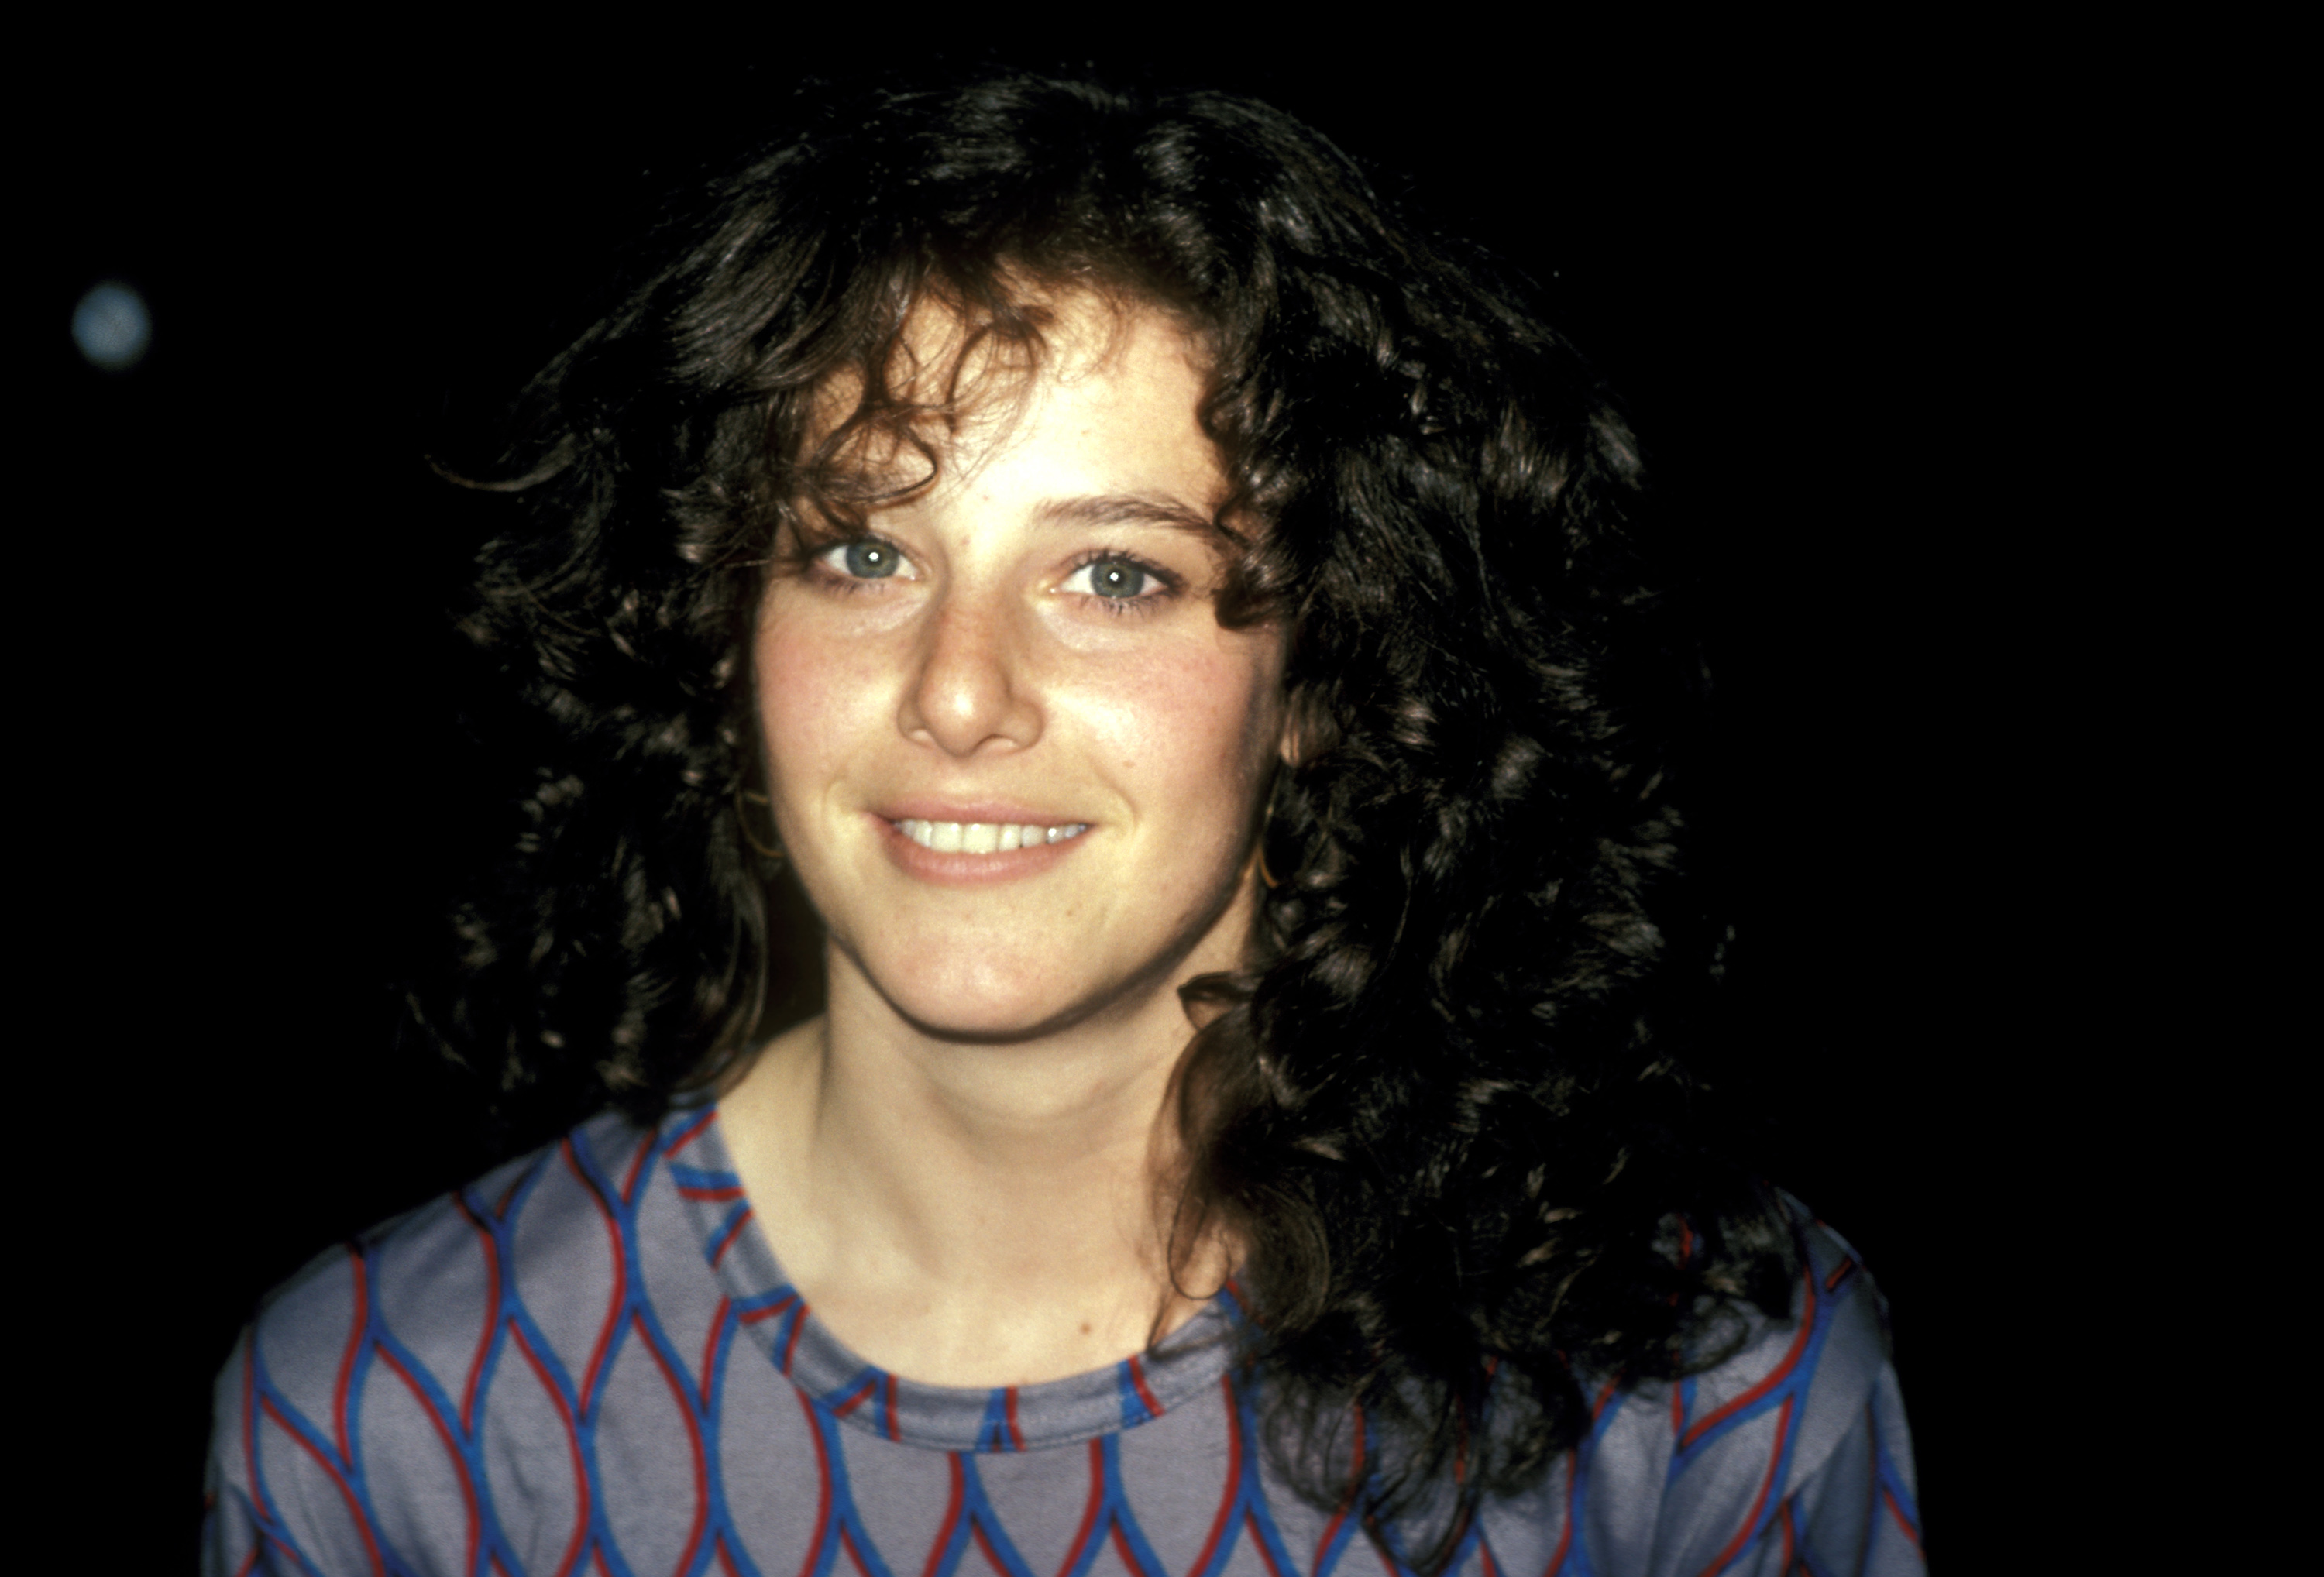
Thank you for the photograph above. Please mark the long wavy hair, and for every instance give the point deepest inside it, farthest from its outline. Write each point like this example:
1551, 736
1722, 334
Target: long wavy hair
1444, 1113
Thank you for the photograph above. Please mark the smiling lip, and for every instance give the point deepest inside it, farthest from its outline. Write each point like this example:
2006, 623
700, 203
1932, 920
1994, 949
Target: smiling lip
966, 846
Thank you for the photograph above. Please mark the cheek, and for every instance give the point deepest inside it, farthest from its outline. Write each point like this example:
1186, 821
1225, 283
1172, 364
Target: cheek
805, 695
1199, 725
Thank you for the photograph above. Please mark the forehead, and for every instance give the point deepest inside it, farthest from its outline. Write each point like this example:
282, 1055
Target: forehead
947, 392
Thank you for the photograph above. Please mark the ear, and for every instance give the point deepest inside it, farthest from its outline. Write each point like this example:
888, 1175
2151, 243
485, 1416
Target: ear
1291, 739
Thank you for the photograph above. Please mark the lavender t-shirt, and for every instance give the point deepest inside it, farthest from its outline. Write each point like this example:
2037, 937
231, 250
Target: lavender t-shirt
590, 1362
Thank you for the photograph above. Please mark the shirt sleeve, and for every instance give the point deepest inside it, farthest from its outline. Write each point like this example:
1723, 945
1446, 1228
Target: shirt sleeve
1856, 1512
283, 1494
232, 1542
1795, 1457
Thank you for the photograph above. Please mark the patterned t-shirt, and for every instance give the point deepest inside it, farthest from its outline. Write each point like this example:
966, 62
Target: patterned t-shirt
590, 1362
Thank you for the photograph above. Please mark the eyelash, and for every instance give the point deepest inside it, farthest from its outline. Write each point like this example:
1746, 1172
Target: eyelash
837, 579
1167, 585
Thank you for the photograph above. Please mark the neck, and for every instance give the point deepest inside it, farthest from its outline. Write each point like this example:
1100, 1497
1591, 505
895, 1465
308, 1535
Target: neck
969, 1213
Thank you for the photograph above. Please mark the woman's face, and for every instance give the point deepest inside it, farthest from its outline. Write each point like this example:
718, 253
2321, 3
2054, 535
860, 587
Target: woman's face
1013, 756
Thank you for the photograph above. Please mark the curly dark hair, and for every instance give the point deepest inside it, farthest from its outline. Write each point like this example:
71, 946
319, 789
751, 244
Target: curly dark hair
1444, 1115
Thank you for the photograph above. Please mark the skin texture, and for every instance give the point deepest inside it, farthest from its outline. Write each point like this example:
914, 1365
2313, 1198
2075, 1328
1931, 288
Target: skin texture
958, 1164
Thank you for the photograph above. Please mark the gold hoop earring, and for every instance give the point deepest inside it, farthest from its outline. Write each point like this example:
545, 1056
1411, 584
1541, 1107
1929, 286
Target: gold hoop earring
1265, 822
742, 823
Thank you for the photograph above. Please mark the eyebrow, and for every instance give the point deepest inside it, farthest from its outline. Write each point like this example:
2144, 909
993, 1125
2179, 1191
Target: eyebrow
1127, 508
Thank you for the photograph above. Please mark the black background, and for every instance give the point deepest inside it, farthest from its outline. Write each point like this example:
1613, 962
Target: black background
250, 794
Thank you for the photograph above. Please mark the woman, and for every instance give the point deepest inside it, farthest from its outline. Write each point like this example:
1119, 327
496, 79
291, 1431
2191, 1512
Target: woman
1183, 636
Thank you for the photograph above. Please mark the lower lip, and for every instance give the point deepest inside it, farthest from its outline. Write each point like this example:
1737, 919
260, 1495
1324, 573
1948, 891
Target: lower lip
972, 869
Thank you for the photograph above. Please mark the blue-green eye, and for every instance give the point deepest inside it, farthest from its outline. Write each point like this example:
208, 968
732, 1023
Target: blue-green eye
865, 558
1110, 577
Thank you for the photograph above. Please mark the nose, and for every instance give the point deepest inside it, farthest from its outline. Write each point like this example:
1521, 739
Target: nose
973, 690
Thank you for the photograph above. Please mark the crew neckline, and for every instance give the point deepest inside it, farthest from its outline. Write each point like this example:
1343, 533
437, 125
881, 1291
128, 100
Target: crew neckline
846, 1388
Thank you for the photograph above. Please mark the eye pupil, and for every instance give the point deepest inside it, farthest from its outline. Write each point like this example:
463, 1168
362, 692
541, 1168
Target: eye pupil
1113, 578
870, 560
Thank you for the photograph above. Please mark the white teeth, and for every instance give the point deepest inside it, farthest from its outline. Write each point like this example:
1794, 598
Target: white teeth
978, 837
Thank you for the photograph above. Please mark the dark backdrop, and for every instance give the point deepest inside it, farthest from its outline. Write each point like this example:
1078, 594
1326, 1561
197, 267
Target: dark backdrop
251, 794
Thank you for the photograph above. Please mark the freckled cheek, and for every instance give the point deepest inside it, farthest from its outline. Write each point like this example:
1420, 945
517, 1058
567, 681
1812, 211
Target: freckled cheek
1183, 736
811, 701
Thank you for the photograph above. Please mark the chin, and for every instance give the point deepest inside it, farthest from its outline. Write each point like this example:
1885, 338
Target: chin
992, 1021
994, 1029
978, 1005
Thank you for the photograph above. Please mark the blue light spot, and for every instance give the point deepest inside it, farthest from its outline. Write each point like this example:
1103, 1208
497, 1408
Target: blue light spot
113, 328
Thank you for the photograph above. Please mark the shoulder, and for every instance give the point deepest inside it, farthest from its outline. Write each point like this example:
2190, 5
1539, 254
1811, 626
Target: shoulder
342, 1410
432, 1274
1818, 1363
1793, 1441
